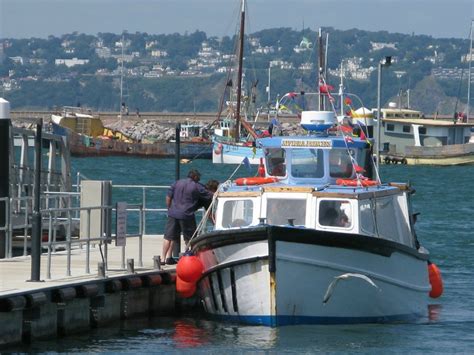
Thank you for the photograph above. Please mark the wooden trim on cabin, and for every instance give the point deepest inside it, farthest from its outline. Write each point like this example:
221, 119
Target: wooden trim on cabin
300, 189
357, 195
401, 185
240, 194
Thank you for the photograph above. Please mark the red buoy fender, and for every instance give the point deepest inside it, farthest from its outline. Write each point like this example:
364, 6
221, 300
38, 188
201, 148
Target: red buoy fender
355, 182
185, 289
189, 268
257, 180
436, 281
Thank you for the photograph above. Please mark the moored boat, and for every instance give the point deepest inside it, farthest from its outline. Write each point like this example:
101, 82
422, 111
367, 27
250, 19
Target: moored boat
87, 136
318, 238
408, 138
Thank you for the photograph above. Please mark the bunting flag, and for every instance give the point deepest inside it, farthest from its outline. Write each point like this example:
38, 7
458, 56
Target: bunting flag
358, 169
254, 151
246, 163
348, 101
346, 129
325, 88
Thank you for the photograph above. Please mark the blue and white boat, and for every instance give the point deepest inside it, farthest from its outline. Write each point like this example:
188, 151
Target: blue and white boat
317, 239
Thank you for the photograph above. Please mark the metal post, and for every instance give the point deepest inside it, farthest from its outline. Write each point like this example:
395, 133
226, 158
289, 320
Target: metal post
377, 136
384, 63
5, 124
177, 245
36, 218
178, 149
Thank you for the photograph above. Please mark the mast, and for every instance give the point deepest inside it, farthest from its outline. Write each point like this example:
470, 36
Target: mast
469, 76
239, 74
121, 86
321, 66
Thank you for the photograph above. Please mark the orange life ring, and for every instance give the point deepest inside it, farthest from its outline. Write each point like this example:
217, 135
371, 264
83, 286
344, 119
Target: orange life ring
218, 150
355, 182
257, 180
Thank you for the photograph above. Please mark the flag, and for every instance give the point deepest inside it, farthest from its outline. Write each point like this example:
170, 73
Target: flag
362, 135
348, 139
246, 163
358, 169
348, 101
254, 151
325, 88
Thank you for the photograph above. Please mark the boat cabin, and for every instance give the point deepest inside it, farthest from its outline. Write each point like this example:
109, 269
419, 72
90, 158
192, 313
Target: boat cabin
306, 193
401, 133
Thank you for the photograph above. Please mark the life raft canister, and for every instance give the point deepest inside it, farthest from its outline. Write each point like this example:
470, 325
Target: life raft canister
257, 180
218, 149
355, 182
435, 280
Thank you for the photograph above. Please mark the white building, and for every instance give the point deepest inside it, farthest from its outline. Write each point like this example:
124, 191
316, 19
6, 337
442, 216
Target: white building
71, 62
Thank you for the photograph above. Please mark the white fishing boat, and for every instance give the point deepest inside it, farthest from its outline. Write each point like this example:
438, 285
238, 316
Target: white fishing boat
316, 238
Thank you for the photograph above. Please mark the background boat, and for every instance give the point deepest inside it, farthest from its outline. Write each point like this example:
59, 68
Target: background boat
88, 137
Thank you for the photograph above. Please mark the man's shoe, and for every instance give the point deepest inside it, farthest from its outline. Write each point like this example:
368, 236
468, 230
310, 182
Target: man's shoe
170, 261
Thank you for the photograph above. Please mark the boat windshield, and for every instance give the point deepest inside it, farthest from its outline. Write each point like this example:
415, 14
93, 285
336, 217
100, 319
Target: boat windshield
340, 164
307, 163
275, 158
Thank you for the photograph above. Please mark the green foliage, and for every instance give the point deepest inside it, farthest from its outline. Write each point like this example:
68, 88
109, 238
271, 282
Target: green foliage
59, 85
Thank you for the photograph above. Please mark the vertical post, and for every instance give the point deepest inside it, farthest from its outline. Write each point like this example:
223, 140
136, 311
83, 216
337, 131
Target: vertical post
177, 245
36, 218
5, 124
178, 149
377, 136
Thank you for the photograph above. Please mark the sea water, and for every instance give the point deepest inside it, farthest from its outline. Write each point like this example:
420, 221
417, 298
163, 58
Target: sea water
445, 198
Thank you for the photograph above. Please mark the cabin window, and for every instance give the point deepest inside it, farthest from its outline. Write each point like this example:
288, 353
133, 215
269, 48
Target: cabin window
422, 130
275, 161
279, 211
386, 219
335, 213
237, 213
366, 219
390, 127
406, 129
307, 163
340, 164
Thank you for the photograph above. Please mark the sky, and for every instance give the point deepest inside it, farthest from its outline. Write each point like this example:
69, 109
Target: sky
41, 18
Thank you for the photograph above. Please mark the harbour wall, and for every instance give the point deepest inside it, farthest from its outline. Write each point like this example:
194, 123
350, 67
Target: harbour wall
77, 307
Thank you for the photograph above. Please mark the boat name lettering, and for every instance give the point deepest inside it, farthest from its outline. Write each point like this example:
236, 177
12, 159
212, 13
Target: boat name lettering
306, 143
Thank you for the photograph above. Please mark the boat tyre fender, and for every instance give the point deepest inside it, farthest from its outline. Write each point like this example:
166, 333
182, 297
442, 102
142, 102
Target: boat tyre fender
387, 160
218, 149
404, 161
257, 180
355, 182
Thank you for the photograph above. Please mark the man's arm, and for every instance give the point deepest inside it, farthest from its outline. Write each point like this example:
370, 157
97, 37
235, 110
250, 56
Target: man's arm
168, 202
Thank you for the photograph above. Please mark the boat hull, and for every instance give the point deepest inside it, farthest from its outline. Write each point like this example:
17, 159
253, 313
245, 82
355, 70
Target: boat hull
83, 146
280, 276
454, 154
234, 153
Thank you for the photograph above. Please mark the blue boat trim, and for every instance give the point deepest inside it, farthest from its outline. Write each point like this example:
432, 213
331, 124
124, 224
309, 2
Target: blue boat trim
274, 321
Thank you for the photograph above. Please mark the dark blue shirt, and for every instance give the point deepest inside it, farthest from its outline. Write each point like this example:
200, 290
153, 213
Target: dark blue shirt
185, 196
